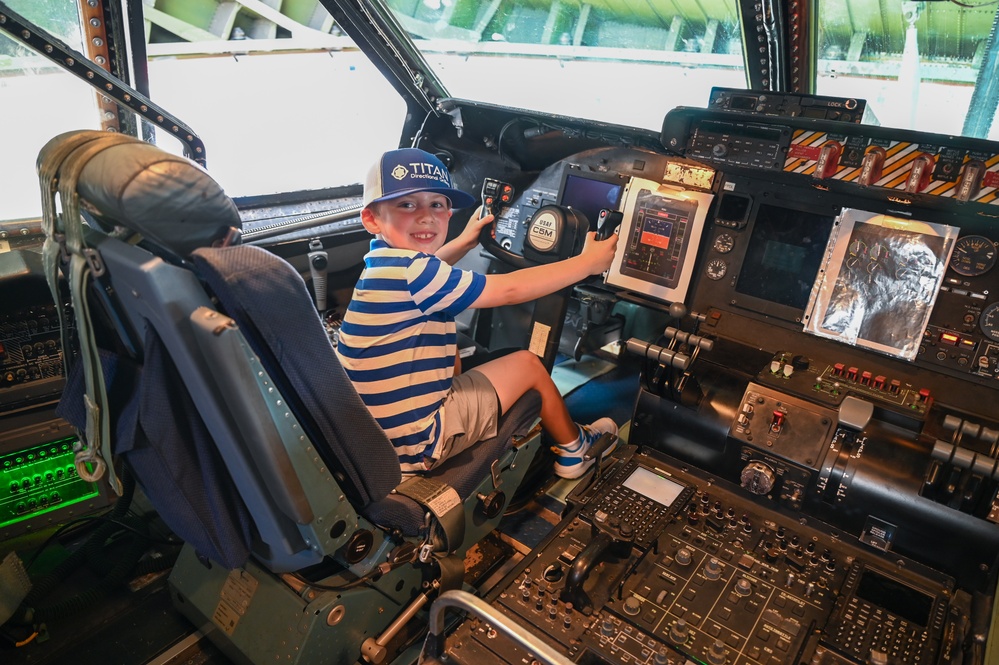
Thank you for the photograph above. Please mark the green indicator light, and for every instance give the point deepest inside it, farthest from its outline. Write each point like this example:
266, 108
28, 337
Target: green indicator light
41, 480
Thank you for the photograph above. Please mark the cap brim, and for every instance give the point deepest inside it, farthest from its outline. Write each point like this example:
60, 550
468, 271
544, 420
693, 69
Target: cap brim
458, 198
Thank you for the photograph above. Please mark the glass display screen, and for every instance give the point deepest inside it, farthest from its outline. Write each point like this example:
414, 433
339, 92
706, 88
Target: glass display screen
590, 195
784, 254
653, 486
899, 599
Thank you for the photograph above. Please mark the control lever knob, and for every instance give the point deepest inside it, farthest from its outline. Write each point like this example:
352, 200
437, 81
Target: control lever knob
712, 569
717, 653
607, 222
678, 631
632, 606
492, 503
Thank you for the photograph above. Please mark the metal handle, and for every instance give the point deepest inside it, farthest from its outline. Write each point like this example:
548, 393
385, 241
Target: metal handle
433, 648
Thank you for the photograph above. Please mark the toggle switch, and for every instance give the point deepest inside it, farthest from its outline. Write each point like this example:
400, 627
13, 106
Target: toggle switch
828, 161
920, 173
872, 165
777, 423
970, 182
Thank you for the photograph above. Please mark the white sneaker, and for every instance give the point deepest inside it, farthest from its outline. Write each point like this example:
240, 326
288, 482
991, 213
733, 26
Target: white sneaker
570, 462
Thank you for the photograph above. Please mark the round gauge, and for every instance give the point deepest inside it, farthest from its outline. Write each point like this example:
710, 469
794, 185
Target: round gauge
973, 256
717, 268
989, 322
724, 243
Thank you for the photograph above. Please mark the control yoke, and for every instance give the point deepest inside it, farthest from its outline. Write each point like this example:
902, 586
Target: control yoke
554, 232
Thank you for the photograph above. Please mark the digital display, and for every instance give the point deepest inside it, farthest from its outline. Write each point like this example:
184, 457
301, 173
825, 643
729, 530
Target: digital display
653, 486
655, 248
590, 195
784, 254
656, 232
899, 599
742, 103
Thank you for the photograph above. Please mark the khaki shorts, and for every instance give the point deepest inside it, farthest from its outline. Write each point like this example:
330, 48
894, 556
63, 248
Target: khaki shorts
470, 411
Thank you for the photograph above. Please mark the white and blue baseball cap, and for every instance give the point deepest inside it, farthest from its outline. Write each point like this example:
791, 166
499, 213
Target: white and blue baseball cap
408, 171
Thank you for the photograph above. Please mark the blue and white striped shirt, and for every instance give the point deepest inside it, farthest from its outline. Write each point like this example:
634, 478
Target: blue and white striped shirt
398, 343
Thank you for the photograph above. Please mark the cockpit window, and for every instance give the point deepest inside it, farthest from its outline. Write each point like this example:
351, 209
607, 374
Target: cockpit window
38, 100
283, 105
920, 65
625, 63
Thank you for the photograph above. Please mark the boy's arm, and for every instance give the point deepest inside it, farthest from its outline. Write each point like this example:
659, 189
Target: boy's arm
537, 281
452, 252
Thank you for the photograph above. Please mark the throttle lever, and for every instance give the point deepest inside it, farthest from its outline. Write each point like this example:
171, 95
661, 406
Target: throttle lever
607, 222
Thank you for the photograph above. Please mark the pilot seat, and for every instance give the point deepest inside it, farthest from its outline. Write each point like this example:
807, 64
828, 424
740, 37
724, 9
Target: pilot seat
202, 368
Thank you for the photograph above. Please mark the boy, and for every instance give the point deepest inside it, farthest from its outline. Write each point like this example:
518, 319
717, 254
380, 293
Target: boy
398, 339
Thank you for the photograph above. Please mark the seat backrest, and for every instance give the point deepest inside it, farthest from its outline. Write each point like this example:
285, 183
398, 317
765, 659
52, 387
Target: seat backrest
231, 463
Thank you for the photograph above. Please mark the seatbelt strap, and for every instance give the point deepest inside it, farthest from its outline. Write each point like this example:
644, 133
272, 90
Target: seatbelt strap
444, 504
64, 240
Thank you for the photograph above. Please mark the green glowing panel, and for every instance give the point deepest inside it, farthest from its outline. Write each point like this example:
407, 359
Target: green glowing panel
39, 480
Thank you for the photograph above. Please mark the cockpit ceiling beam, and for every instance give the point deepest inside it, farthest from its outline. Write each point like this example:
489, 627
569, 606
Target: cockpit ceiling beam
25, 32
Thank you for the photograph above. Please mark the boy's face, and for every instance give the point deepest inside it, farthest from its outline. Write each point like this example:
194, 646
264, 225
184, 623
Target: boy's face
414, 221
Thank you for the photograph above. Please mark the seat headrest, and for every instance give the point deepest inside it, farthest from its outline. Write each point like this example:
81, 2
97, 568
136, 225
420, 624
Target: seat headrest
168, 199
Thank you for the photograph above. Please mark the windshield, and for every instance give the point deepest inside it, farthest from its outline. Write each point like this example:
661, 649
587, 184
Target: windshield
38, 100
920, 65
625, 63
288, 102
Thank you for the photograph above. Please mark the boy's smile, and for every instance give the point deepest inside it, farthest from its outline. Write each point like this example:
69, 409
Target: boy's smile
417, 221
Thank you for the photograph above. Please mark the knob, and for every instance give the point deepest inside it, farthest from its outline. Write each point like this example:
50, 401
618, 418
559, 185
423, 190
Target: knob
553, 573
320, 261
717, 653
661, 657
743, 587
632, 606
719, 150
758, 478
678, 631
683, 556
607, 627
712, 569
492, 503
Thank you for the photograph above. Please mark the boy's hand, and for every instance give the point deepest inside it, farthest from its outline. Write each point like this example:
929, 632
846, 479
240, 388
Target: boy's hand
480, 220
469, 236
599, 253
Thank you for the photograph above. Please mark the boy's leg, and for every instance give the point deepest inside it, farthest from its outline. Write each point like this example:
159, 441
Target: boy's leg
514, 374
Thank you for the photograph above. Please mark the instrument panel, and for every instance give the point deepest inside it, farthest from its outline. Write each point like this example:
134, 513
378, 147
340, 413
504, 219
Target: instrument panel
855, 332
716, 580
